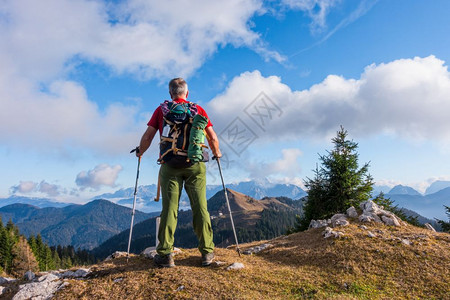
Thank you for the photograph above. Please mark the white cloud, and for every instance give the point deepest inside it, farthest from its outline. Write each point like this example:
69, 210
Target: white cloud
42, 43
101, 175
49, 189
64, 118
408, 98
30, 187
24, 187
149, 38
317, 10
287, 166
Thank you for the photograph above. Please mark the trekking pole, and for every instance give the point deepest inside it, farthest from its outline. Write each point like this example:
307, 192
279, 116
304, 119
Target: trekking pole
229, 208
134, 202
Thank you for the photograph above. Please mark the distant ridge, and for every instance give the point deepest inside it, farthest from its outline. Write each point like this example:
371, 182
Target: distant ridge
254, 220
84, 226
254, 189
38, 202
437, 186
403, 190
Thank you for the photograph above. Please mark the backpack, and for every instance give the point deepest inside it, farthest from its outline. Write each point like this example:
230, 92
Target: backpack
175, 138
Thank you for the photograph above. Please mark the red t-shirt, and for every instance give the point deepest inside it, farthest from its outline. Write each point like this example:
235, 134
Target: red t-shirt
157, 120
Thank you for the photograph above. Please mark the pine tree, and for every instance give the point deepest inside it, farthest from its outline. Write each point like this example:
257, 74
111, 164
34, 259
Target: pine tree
445, 225
338, 183
23, 258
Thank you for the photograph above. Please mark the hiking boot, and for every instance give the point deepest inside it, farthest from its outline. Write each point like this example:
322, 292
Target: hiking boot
164, 261
207, 259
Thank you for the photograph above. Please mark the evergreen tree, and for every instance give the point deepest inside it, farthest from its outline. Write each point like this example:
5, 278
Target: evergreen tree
445, 225
7, 241
338, 183
23, 258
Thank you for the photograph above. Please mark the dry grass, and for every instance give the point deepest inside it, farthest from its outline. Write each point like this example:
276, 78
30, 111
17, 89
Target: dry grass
299, 266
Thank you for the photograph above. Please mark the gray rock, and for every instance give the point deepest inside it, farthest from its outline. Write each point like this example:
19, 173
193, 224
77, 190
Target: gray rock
391, 220
75, 274
2, 290
149, 252
364, 227
339, 220
318, 223
351, 212
328, 232
406, 242
6, 280
370, 207
42, 289
371, 234
256, 249
48, 277
115, 255
429, 227
369, 217
180, 288
29, 276
235, 266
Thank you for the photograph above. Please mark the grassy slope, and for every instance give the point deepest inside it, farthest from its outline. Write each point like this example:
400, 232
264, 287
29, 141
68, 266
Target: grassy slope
299, 266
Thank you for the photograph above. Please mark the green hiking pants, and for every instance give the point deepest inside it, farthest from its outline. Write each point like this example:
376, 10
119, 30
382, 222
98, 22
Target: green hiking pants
194, 179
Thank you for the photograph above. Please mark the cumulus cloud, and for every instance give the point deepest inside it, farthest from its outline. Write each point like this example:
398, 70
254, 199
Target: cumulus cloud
49, 189
101, 175
24, 187
30, 187
407, 98
149, 39
286, 167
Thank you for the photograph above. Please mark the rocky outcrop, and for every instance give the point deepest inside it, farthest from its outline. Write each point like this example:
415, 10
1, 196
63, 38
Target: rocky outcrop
328, 232
371, 212
256, 249
43, 286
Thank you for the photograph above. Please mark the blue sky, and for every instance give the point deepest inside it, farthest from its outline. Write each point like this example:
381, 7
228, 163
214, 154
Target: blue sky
79, 80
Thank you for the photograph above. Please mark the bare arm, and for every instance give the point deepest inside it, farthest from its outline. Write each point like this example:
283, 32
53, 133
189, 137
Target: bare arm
146, 140
213, 141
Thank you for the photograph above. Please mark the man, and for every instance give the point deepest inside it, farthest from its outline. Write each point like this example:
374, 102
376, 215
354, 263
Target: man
172, 178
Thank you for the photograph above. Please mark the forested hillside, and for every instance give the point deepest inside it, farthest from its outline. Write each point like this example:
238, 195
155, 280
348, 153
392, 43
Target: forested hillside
19, 254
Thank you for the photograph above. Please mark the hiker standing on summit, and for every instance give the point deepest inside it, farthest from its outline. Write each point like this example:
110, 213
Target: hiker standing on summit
182, 126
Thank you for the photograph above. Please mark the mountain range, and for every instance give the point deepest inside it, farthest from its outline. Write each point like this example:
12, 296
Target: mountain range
255, 189
82, 226
430, 206
38, 202
254, 220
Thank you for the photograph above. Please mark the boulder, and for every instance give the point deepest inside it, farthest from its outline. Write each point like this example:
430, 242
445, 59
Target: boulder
2, 289
235, 266
43, 288
80, 273
115, 255
29, 276
369, 217
351, 212
256, 249
371, 234
370, 207
6, 280
339, 220
318, 223
391, 220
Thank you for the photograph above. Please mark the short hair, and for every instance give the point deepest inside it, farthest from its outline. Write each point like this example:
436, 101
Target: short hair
178, 87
